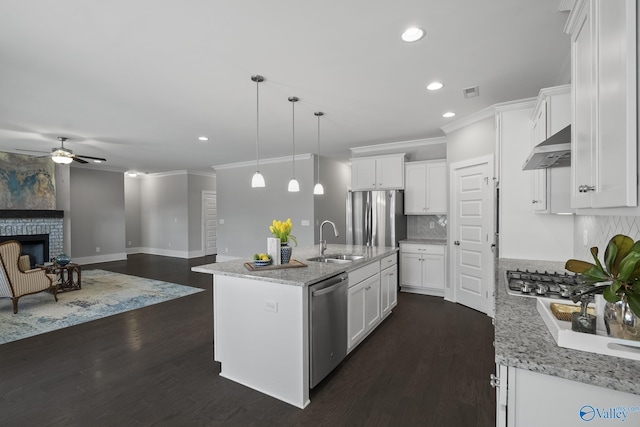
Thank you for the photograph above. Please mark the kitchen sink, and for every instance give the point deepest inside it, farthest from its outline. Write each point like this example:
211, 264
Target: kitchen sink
336, 258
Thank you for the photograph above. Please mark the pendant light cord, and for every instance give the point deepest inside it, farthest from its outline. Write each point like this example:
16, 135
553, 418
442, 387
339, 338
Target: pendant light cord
293, 100
257, 124
318, 114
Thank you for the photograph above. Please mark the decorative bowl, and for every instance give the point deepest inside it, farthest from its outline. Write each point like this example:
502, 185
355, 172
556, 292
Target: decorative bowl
260, 263
63, 259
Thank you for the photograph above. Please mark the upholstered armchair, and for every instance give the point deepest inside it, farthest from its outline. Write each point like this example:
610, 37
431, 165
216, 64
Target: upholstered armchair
15, 281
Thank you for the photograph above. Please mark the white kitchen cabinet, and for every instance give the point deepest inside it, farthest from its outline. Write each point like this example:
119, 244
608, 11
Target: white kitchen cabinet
364, 302
604, 78
551, 186
378, 172
519, 404
425, 188
388, 284
422, 268
364, 309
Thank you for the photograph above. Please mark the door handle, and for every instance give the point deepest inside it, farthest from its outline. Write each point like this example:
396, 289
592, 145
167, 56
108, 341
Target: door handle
457, 243
494, 381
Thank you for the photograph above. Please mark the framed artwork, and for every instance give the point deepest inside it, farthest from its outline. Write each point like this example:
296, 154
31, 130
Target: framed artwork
27, 182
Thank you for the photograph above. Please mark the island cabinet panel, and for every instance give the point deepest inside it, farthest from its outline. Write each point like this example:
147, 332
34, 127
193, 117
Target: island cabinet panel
565, 402
364, 308
388, 284
261, 336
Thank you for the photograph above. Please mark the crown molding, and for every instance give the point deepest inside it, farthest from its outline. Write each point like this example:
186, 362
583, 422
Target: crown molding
488, 112
252, 163
399, 146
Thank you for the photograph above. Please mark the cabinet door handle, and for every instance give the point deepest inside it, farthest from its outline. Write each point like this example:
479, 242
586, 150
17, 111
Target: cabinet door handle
494, 381
586, 188
457, 243
534, 201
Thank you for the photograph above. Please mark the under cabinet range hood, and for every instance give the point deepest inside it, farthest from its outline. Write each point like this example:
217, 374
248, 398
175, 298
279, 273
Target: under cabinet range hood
553, 152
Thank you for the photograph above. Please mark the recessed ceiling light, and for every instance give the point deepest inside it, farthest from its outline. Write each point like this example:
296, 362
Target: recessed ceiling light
132, 174
435, 86
448, 114
413, 34
203, 138
97, 161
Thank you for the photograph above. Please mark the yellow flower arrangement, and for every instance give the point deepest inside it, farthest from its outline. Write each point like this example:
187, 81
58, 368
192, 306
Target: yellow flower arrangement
282, 230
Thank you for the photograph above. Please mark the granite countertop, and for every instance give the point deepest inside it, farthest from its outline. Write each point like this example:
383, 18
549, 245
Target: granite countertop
522, 340
302, 276
425, 241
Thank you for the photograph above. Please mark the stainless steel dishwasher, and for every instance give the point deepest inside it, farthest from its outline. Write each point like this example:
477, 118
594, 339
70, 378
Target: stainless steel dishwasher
327, 326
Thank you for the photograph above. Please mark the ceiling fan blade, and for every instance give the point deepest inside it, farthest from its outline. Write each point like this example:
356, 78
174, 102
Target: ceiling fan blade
92, 158
32, 151
79, 160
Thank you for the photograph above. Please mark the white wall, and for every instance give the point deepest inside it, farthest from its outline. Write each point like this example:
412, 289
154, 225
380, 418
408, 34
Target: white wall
335, 177
523, 233
97, 216
133, 237
245, 213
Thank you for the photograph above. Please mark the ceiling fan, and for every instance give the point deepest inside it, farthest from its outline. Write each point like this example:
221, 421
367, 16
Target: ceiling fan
65, 156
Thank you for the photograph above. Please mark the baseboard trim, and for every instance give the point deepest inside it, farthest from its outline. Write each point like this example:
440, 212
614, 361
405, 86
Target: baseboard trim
100, 258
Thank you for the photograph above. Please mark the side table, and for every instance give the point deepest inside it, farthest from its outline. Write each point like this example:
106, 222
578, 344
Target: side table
69, 276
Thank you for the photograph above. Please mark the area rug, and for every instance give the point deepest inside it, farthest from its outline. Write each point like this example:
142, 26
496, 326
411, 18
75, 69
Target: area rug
103, 294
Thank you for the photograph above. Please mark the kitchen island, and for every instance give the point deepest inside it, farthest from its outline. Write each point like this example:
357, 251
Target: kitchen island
261, 319
525, 349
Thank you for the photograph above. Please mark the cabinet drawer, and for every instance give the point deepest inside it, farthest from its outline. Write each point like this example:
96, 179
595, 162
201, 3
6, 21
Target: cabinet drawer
388, 261
357, 276
422, 249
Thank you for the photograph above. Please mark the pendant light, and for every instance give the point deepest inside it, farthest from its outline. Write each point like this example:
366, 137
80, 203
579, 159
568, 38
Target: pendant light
258, 180
318, 188
293, 184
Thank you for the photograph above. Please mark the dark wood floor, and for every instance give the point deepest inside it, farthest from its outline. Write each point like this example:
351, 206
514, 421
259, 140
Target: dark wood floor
428, 364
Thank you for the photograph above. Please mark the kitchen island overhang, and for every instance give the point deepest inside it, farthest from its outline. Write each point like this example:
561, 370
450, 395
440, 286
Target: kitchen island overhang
261, 320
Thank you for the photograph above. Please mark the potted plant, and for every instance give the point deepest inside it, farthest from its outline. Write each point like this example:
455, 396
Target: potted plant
282, 230
621, 274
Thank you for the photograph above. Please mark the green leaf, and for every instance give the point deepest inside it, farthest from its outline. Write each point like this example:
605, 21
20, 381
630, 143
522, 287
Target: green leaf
610, 295
610, 256
636, 247
623, 245
628, 265
596, 273
577, 266
634, 303
594, 253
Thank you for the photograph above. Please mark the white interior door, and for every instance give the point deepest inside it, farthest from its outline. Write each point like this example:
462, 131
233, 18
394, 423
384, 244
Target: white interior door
209, 222
472, 233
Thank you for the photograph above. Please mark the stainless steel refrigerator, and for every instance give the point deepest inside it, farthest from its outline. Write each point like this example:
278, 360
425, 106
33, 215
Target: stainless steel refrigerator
376, 218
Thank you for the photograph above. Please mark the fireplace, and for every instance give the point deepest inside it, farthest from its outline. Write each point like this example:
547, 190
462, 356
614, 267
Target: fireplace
31, 227
34, 245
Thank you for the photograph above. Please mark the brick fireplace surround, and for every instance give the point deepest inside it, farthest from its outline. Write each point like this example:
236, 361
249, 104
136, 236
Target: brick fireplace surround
31, 222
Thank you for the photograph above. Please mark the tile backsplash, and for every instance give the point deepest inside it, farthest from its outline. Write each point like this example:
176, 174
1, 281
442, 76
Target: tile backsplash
419, 226
599, 230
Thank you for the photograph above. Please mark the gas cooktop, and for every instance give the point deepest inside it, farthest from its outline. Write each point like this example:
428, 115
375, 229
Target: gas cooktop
537, 284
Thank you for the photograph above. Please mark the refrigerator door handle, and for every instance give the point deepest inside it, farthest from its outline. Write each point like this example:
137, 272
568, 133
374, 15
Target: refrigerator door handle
367, 221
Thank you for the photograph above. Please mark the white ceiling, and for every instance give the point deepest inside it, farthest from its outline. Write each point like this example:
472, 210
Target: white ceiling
137, 81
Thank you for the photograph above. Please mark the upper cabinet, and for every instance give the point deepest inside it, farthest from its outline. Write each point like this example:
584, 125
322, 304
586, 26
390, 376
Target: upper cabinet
551, 186
425, 188
604, 140
378, 173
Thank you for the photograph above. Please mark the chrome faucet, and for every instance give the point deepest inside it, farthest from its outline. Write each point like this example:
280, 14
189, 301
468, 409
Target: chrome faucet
323, 243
